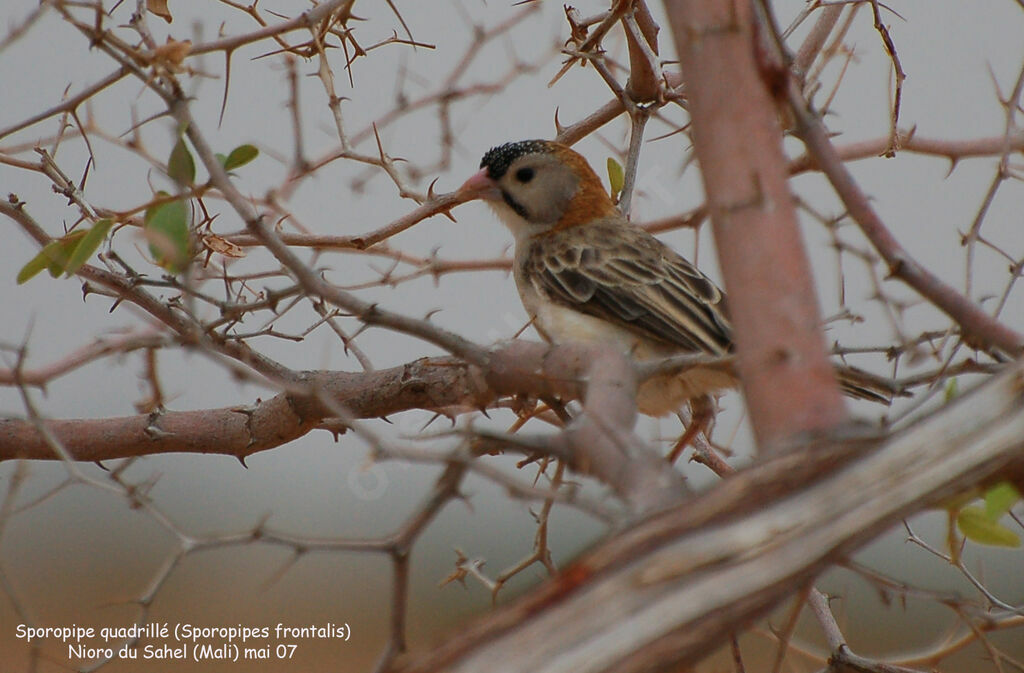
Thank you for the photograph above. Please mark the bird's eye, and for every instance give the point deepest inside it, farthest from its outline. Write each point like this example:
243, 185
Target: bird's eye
524, 174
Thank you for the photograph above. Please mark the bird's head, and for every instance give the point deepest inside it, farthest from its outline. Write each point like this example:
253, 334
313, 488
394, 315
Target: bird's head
537, 186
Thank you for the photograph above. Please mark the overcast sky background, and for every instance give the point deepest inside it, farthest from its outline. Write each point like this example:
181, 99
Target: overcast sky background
80, 554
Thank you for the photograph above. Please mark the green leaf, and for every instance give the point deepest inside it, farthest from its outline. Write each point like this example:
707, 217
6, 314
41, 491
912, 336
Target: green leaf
951, 390
240, 156
616, 177
167, 232
34, 266
975, 524
181, 166
54, 256
59, 252
151, 210
999, 499
88, 245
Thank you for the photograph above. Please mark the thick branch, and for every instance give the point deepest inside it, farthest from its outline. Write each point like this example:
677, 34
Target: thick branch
787, 381
600, 443
243, 430
682, 582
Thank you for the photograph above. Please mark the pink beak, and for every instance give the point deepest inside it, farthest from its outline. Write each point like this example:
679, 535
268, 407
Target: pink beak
480, 186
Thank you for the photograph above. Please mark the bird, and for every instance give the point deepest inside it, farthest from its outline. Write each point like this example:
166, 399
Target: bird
587, 274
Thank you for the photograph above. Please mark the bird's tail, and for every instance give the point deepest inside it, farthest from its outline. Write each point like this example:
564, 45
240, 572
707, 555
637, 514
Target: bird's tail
864, 385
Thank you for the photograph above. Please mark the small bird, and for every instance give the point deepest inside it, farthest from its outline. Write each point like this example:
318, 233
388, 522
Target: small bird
586, 274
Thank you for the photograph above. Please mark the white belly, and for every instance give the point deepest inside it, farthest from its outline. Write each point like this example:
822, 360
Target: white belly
563, 325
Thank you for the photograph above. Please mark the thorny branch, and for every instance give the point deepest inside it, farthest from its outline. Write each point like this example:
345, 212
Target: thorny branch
258, 299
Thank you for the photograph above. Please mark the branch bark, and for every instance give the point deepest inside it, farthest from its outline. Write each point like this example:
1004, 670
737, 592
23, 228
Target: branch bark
787, 382
673, 588
600, 442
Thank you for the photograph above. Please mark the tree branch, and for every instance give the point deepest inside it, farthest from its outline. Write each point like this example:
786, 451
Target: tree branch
979, 328
787, 382
685, 580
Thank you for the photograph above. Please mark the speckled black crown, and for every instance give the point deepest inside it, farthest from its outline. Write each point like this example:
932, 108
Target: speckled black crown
498, 159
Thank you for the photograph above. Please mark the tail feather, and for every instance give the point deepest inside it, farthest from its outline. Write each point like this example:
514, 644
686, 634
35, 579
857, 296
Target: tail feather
864, 385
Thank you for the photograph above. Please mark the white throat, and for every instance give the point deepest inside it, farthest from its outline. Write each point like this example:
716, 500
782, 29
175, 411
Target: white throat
521, 229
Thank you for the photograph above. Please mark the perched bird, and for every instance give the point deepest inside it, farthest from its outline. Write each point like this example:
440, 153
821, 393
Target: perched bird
586, 274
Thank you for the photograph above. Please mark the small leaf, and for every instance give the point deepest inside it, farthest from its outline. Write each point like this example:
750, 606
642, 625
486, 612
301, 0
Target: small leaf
88, 245
616, 177
54, 256
240, 156
951, 391
167, 232
974, 523
159, 7
999, 499
61, 249
181, 166
35, 265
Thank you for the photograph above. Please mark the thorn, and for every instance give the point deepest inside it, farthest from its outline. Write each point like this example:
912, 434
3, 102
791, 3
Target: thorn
380, 145
431, 420
953, 163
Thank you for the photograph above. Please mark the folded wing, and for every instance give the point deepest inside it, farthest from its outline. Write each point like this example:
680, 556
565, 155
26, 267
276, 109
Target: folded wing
622, 274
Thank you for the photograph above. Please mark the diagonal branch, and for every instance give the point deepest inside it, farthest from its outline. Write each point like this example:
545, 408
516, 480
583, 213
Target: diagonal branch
685, 580
978, 326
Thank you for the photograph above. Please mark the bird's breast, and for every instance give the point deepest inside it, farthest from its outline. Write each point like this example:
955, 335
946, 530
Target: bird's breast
562, 324
659, 395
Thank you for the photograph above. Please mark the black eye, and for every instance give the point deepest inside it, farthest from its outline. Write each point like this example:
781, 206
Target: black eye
524, 174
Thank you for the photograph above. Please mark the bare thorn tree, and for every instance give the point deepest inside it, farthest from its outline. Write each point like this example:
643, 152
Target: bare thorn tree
242, 246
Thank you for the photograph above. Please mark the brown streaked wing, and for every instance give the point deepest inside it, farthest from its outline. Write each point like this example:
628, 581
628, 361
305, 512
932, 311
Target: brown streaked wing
620, 273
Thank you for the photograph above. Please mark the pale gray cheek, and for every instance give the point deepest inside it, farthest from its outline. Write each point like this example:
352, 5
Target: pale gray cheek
552, 206
561, 195
549, 214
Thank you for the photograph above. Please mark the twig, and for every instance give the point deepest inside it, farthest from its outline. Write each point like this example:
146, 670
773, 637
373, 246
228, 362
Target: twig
890, 48
977, 325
